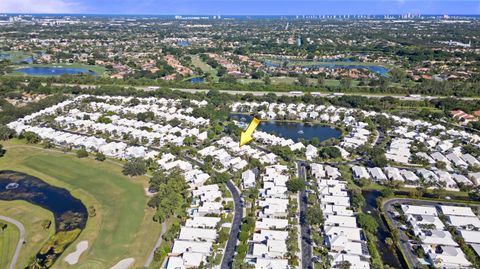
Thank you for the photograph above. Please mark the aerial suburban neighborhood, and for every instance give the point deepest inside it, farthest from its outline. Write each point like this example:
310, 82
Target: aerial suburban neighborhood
138, 138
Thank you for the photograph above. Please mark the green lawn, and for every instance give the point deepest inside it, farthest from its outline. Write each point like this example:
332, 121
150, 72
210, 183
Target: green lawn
123, 225
8, 243
100, 70
339, 63
293, 80
32, 218
197, 62
16, 56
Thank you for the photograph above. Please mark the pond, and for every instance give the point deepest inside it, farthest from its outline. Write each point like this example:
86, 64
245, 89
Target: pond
292, 130
54, 71
197, 80
69, 212
381, 70
183, 43
386, 253
5, 56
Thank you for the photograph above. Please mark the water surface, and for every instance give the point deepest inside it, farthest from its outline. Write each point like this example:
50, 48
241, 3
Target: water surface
293, 130
69, 212
54, 71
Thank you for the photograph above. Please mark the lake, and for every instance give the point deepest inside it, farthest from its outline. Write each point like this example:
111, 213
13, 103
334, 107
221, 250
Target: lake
4, 56
54, 71
183, 43
69, 212
293, 130
197, 80
383, 71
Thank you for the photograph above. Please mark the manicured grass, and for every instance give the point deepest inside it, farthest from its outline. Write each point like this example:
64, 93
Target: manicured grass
338, 63
293, 80
16, 56
197, 62
32, 218
8, 243
99, 70
123, 225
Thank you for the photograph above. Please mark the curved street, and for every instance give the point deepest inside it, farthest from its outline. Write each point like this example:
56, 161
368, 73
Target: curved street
21, 239
404, 240
229, 253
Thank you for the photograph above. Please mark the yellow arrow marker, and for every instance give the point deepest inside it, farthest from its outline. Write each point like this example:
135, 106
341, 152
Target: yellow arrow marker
246, 136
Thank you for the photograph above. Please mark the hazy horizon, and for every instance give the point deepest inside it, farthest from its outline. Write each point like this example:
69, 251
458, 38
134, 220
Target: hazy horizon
241, 7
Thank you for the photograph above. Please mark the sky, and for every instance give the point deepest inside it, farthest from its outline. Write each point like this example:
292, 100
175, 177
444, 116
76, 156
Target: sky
242, 7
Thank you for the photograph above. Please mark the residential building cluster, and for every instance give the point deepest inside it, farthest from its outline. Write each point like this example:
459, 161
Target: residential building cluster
345, 241
268, 244
430, 226
199, 234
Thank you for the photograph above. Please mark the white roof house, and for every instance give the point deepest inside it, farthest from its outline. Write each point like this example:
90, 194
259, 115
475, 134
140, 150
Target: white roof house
197, 234
408, 175
270, 249
455, 159
475, 177
360, 172
419, 210
448, 257
417, 220
248, 179
350, 233
267, 263
209, 208
377, 174
311, 152
462, 221
317, 170
437, 237
271, 223
470, 236
181, 246
393, 173
344, 221
270, 235
354, 260
175, 263
202, 222
457, 210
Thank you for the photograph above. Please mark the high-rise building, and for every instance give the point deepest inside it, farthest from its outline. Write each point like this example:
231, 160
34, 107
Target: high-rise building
299, 41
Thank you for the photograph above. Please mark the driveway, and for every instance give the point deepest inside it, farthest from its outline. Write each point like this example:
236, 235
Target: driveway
229, 253
21, 239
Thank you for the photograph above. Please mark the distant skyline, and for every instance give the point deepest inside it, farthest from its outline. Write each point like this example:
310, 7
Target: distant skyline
242, 7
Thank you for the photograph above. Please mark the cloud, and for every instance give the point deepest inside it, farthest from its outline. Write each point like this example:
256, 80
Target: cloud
42, 6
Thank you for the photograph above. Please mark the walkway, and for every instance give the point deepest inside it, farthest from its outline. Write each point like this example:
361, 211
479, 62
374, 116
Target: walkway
157, 244
21, 239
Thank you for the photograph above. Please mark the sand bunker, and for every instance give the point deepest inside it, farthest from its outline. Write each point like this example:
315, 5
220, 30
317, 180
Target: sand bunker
123, 264
73, 257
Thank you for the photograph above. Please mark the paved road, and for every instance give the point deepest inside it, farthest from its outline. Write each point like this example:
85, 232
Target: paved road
157, 244
21, 239
229, 253
261, 93
306, 240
